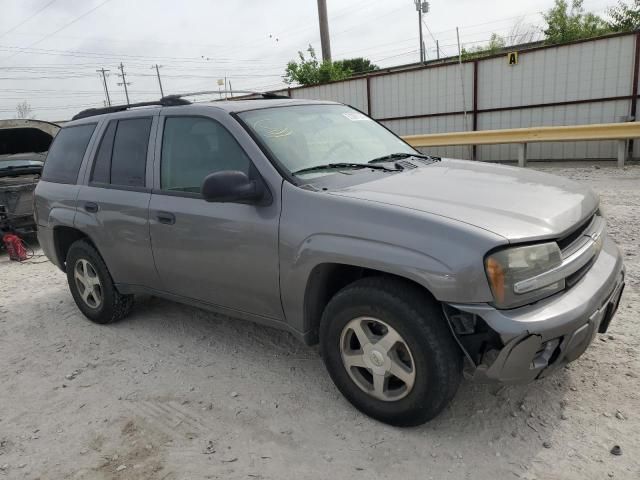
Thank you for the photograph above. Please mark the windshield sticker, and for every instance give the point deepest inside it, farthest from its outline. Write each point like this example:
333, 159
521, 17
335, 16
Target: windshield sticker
356, 116
273, 131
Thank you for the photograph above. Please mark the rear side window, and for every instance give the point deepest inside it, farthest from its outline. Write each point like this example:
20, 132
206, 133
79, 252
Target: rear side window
102, 166
129, 159
65, 156
122, 156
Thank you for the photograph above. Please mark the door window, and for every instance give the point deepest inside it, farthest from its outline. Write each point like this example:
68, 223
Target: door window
102, 165
66, 153
194, 147
122, 157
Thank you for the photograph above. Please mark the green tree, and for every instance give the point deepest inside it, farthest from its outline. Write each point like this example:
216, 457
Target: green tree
496, 44
625, 17
311, 71
565, 24
357, 65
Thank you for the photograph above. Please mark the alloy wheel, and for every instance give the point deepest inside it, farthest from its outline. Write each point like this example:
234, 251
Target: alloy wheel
377, 358
88, 283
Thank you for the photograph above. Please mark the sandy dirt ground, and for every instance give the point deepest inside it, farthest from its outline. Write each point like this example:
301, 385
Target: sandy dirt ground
173, 393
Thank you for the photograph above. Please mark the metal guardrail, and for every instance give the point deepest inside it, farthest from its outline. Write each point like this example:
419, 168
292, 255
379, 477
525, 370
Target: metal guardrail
622, 132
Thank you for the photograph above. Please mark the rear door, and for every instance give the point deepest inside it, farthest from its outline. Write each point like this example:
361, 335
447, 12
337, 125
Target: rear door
225, 254
113, 203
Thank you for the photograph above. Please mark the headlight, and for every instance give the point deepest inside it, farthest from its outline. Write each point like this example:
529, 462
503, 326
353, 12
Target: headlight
505, 268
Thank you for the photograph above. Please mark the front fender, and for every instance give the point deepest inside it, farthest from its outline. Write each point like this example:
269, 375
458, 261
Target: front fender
358, 252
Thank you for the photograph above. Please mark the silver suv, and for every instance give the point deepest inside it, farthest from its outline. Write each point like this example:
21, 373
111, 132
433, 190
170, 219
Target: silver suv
308, 216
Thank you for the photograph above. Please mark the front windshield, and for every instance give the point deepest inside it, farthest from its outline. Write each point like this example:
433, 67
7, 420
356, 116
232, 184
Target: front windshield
305, 136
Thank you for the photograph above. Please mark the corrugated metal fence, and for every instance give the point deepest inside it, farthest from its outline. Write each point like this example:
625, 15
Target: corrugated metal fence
594, 81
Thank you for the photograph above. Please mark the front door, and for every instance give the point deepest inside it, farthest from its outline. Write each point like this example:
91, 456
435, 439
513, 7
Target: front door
225, 254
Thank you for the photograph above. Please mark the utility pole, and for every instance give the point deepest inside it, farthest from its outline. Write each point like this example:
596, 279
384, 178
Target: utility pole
157, 67
124, 81
324, 30
421, 7
104, 84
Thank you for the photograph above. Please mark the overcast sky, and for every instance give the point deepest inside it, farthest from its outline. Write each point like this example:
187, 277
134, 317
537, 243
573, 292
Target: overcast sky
50, 49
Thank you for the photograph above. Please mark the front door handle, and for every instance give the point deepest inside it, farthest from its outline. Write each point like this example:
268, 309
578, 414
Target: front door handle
167, 218
91, 207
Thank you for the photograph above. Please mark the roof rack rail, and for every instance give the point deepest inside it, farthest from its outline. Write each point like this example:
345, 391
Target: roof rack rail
167, 101
164, 102
266, 95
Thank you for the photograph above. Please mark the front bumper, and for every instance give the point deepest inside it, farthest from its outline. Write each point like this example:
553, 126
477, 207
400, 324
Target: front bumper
540, 338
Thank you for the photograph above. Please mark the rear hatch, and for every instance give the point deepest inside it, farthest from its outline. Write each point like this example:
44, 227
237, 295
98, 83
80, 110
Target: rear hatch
23, 147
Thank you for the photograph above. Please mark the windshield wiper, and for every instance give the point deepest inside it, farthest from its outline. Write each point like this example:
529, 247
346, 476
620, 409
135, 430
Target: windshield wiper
330, 166
398, 156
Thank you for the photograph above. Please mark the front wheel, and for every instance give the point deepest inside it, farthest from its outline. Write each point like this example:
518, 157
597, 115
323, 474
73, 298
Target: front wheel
389, 351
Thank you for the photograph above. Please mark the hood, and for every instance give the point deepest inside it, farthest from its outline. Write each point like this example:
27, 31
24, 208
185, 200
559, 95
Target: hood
26, 136
516, 203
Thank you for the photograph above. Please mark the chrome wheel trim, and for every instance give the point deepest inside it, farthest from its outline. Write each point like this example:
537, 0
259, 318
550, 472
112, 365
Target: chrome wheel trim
88, 283
377, 359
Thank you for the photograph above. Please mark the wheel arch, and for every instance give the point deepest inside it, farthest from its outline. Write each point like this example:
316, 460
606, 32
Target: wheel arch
327, 279
65, 236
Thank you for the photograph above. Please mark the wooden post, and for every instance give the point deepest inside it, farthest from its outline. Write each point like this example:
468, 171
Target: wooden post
522, 154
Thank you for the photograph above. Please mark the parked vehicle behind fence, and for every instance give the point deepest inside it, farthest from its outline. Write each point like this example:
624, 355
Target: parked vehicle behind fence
309, 216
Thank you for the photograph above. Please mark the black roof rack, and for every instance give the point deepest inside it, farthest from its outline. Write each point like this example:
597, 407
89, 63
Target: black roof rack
169, 101
265, 95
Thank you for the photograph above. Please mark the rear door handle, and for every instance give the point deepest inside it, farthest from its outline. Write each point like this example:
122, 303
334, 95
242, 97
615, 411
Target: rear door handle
91, 207
167, 218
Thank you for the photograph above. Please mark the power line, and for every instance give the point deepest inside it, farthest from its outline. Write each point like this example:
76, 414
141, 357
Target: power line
49, 35
117, 56
434, 39
40, 10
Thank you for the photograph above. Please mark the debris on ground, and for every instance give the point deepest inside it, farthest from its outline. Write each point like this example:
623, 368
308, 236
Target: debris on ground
616, 450
72, 375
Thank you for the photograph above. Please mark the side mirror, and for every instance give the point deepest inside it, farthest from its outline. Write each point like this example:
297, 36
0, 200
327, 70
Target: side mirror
232, 186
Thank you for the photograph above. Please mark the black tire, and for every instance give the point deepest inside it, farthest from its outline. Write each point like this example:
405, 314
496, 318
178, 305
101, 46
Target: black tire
419, 320
113, 306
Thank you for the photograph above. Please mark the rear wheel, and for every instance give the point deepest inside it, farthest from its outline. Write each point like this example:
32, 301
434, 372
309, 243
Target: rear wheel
387, 347
92, 287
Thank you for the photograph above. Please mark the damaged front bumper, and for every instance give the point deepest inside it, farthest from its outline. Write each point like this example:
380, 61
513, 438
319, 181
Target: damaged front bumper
540, 338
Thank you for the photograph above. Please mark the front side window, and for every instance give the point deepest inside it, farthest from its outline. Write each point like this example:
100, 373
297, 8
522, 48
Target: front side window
122, 156
194, 147
67, 151
305, 136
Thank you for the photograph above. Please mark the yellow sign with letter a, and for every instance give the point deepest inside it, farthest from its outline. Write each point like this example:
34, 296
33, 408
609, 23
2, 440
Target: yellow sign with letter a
512, 58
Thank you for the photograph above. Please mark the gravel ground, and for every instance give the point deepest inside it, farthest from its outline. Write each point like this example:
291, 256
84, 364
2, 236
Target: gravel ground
177, 393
